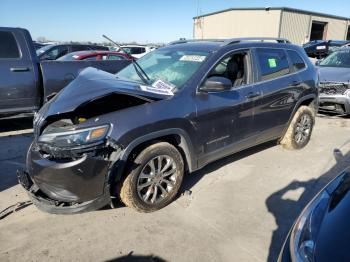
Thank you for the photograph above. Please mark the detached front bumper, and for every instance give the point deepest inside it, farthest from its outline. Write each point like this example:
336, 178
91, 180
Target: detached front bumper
66, 186
339, 104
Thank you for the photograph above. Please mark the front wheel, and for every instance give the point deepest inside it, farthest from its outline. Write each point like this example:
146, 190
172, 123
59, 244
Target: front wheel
154, 178
300, 128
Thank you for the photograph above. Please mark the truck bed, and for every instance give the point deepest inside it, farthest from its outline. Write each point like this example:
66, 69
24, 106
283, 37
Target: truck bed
57, 74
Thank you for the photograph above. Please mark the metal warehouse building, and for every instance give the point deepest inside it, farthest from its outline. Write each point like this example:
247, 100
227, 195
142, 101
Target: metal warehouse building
298, 26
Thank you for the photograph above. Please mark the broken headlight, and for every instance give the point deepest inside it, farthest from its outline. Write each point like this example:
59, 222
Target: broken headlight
74, 137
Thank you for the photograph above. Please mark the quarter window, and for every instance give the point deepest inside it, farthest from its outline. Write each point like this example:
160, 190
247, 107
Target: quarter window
296, 60
273, 63
8, 45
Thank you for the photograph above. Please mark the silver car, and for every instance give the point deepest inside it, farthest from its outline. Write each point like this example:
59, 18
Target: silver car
334, 73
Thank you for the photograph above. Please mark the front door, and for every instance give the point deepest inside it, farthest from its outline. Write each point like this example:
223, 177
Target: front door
18, 90
224, 119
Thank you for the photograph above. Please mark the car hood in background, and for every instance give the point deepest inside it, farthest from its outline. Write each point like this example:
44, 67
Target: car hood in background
91, 84
334, 74
334, 235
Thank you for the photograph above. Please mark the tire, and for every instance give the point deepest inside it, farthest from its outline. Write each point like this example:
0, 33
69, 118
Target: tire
299, 127
147, 188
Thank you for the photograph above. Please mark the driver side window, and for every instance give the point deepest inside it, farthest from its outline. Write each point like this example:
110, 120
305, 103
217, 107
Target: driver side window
233, 67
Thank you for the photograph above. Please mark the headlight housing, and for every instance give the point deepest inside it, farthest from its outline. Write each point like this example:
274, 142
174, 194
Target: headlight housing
75, 138
306, 228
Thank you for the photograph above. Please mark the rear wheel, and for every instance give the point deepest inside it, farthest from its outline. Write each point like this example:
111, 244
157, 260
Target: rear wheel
154, 178
299, 131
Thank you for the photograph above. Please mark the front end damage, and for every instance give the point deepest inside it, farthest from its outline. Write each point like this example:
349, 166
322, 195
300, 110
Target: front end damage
335, 97
69, 180
71, 161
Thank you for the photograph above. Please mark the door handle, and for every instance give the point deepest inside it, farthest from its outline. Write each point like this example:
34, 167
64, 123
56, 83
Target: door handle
295, 83
252, 95
19, 69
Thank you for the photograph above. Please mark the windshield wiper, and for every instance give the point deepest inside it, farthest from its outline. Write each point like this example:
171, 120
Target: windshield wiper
140, 72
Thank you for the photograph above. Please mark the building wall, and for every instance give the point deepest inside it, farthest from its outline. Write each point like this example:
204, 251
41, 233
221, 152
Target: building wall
260, 23
295, 27
238, 23
336, 28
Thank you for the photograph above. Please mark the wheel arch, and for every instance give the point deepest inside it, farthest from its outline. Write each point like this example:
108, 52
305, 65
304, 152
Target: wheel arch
310, 99
175, 136
307, 100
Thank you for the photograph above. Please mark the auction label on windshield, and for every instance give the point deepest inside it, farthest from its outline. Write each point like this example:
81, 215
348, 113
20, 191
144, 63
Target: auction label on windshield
192, 58
159, 87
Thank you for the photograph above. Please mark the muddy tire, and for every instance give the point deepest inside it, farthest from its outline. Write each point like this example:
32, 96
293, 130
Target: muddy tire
300, 128
154, 178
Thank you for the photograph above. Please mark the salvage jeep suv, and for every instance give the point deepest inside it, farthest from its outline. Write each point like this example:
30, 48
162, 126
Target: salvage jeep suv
135, 134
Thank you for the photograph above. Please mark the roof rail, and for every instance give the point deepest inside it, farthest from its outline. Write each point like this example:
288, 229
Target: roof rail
258, 39
233, 40
195, 40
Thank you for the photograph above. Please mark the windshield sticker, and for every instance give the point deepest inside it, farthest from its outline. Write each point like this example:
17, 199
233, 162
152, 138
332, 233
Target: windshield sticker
272, 62
157, 90
321, 47
192, 58
163, 85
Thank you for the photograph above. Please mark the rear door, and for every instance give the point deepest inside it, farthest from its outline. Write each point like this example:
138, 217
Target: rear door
18, 81
280, 87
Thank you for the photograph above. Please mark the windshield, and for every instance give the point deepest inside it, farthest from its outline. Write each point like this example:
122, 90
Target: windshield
337, 59
172, 66
43, 49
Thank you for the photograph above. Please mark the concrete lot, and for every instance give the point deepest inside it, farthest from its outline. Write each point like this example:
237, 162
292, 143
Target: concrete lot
240, 209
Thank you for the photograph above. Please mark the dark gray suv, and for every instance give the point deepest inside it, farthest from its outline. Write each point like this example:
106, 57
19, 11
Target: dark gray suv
135, 134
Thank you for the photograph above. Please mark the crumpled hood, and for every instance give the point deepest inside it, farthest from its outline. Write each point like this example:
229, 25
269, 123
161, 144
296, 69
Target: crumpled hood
91, 84
334, 74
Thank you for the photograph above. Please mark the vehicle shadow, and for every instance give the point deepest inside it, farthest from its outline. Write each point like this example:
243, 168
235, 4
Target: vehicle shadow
192, 179
286, 211
137, 258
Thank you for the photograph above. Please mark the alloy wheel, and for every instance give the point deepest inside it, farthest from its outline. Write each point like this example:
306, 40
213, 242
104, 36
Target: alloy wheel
157, 179
303, 129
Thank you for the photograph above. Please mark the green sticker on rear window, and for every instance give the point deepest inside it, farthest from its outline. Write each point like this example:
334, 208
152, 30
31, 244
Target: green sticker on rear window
272, 62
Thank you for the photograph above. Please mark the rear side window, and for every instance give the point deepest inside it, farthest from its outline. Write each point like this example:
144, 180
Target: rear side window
137, 50
8, 45
296, 60
273, 63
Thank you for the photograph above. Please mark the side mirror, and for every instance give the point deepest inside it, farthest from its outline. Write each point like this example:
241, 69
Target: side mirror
216, 84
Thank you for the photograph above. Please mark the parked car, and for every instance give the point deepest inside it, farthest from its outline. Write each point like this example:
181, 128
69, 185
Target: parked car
38, 45
95, 55
321, 232
334, 73
26, 83
321, 48
53, 52
135, 134
137, 51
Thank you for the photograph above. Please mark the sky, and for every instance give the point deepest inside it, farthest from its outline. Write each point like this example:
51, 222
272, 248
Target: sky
157, 21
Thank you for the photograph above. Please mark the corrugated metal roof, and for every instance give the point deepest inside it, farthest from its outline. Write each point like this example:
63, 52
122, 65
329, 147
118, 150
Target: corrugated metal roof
276, 8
